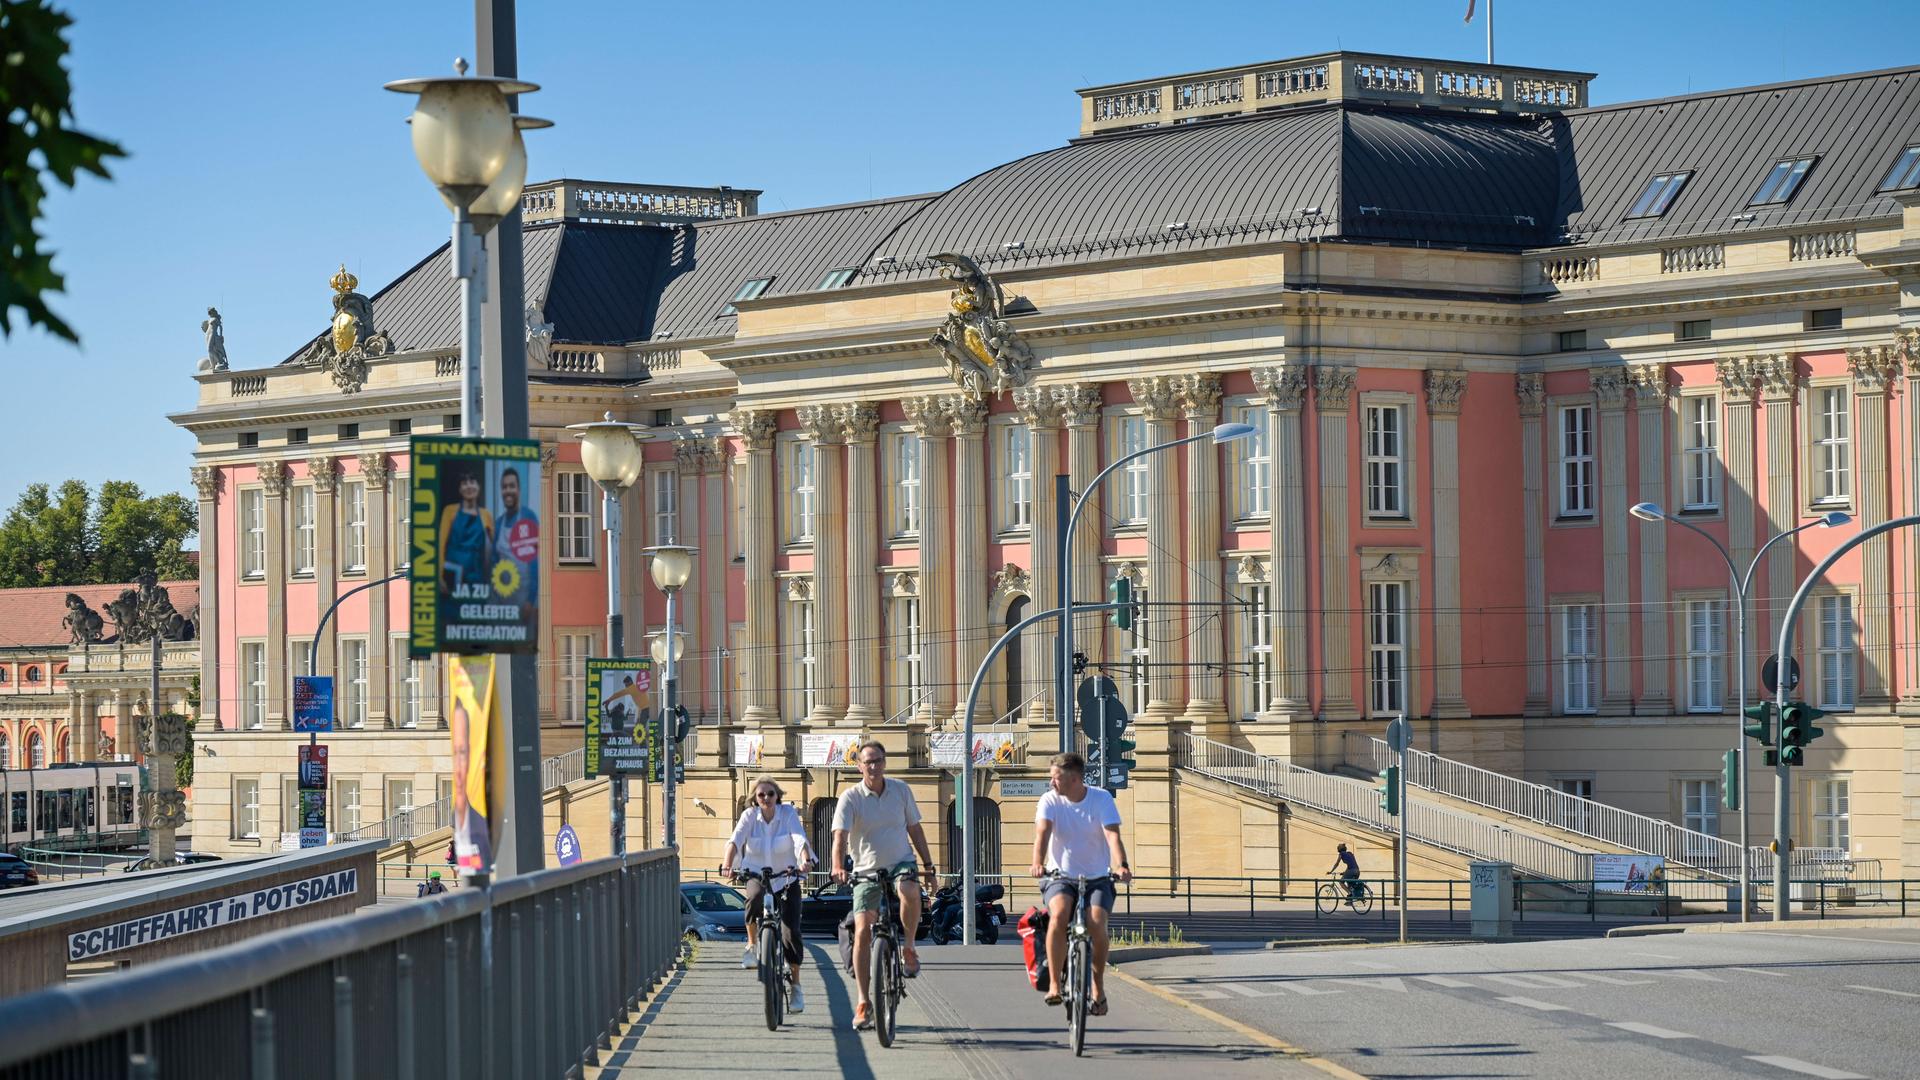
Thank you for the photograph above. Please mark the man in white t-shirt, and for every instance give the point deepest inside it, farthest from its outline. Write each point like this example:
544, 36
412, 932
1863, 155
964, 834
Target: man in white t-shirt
1077, 832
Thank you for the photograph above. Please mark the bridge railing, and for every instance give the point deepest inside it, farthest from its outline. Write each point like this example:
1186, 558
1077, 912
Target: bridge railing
526, 978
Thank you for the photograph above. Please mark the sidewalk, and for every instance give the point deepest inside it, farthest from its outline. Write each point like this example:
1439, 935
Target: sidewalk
969, 1014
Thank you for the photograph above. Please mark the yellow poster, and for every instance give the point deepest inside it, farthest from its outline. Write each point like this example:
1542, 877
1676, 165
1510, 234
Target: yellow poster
471, 679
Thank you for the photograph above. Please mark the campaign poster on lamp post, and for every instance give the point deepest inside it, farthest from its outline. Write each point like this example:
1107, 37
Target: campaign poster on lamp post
471, 680
475, 546
618, 691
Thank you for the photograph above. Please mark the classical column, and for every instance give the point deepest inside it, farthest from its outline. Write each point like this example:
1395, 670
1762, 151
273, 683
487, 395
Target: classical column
860, 422
1445, 388
757, 428
206, 484
1652, 397
1778, 383
325, 473
1610, 393
1041, 410
715, 557
84, 722
1332, 393
1079, 405
549, 514
690, 611
1874, 369
124, 737
1203, 625
967, 576
829, 564
1910, 683
275, 478
1158, 400
378, 476
1736, 449
1285, 387
934, 425
1531, 391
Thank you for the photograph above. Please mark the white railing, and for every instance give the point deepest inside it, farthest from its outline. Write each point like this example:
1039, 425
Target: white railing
1825, 245
1692, 258
1359, 802
404, 825
1564, 269
563, 769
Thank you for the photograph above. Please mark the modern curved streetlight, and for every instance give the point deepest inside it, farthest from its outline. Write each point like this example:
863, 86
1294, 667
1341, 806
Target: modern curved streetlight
1651, 512
672, 567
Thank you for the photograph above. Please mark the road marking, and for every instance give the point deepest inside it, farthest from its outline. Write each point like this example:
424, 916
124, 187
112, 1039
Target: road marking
1535, 1003
1531, 981
1307, 991
1201, 992
1599, 978
1305, 1057
1655, 955
1248, 991
1686, 973
1446, 981
1384, 982
1884, 990
1761, 971
1649, 1029
1807, 1067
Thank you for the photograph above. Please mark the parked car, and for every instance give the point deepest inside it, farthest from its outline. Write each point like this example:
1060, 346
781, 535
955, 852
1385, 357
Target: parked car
16, 872
827, 905
183, 858
712, 912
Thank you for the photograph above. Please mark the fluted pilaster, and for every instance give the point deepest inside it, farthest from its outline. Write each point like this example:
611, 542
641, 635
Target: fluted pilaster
275, 478
1910, 678
1778, 386
757, 428
1158, 400
1653, 398
1079, 405
206, 484
1285, 387
817, 422
1203, 625
1040, 410
713, 570
84, 723
1445, 390
1875, 368
1332, 397
1610, 393
1531, 391
860, 424
1737, 382
935, 426
968, 574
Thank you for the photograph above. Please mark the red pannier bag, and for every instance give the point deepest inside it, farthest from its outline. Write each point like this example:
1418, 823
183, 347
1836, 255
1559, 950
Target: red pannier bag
1033, 946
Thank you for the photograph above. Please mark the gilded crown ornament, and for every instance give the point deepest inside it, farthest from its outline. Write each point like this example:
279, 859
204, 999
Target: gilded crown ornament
982, 350
350, 340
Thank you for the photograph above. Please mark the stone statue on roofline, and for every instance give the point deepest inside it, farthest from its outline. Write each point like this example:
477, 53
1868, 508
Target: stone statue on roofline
982, 350
83, 624
216, 358
539, 336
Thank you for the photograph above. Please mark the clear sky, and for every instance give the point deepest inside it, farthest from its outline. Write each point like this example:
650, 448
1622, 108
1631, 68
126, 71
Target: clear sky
264, 152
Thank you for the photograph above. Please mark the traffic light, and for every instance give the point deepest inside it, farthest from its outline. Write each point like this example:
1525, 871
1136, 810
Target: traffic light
1120, 591
1797, 730
1118, 763
1390, 790
1759, 724
1730, 780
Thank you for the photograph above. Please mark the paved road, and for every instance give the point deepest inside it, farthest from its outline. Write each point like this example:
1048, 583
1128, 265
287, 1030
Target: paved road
1832, 1004
969, 1014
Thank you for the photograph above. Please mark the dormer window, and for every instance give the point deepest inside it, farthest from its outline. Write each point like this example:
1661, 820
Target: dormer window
749, 291
1782, 181
838, 278
1905, 172
1658, 195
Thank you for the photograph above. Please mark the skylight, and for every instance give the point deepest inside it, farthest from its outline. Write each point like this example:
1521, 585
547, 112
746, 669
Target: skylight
1782, 181
1658, 194
748, 291
838, 278
1905, 172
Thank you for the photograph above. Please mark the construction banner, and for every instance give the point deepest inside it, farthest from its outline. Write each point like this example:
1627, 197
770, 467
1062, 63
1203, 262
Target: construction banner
471, 680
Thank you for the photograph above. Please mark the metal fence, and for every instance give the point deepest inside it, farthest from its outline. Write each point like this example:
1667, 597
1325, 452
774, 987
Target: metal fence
1359, 802
526, 978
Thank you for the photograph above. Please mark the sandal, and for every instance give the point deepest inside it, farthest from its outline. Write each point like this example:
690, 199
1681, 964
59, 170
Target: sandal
1053, 997
911, 958
1098, 1007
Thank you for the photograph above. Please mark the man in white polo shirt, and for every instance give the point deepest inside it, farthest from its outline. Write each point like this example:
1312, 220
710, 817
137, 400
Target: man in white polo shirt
1077, 832
877, 823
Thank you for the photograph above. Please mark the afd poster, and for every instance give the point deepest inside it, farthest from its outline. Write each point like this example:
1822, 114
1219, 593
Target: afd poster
475, 545
618, 690
471, 680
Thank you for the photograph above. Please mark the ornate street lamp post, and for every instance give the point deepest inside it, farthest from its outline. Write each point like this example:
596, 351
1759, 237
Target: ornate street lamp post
672, 565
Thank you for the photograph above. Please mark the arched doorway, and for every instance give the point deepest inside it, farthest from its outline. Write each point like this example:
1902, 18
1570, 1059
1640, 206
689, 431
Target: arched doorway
1016, 675
986, 836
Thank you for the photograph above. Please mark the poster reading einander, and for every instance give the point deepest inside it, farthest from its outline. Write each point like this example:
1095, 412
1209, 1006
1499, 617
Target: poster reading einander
618, 692
475, 545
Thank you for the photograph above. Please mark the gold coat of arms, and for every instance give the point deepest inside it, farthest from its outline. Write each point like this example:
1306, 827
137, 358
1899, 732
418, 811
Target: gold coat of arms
983, 351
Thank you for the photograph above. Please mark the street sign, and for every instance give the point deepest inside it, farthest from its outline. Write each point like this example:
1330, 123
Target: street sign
566, 845
475, 541
1770, 674
1103, 718
313, 703
1399, 734
1094, 687
1024, 789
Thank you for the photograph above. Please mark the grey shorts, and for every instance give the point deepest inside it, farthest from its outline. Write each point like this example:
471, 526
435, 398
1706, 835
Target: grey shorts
1100, 893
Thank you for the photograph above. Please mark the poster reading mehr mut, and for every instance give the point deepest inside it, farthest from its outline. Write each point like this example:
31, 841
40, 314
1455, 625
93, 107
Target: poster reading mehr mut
617, 694
471, 680
475, 581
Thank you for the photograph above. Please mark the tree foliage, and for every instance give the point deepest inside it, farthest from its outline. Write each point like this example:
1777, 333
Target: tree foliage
70, 536
36, 104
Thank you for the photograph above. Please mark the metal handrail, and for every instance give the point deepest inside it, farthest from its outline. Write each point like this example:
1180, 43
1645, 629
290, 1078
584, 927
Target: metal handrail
913, 706
1358, 801
557, 771
1019, 709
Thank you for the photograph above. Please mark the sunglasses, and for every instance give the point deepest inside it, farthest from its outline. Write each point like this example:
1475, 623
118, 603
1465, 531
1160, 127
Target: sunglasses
765, 795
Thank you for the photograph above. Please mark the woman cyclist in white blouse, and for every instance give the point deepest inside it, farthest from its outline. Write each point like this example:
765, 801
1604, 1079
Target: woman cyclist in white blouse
769, 835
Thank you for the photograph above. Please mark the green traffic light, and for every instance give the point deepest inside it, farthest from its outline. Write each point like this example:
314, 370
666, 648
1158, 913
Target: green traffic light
1760, 726
1730, 780
1120, 591
1390, 790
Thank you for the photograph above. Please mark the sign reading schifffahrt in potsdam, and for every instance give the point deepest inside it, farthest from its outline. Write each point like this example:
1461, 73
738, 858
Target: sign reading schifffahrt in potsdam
475, 546
617, 695
193, 918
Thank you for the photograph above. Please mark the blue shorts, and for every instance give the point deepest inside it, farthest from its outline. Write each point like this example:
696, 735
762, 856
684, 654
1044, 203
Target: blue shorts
1100, 892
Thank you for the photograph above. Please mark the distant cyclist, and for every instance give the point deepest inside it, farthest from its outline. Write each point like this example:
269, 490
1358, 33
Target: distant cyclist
1077, 832
877, 822
1351, 875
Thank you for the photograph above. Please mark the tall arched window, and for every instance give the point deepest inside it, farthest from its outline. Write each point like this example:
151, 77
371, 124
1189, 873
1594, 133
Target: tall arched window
1016, 691
6, 751
36, 751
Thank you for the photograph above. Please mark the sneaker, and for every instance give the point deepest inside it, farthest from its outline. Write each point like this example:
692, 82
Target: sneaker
747, 958
862, 1017
797, 1003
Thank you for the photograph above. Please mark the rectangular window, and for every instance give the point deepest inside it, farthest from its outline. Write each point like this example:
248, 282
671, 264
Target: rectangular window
1905, 172
909, 679
246, 807
663, 418
399, 797
1134, 477
1386, 461
402, 426
1824, 319
300, 658
1694, 330
346, 807
353, 676
1832, 444
1578, 815
799, 492
253, 527
666, 507
803, 683
1579, 659
1258, 611
1658, 195
1386, 648
289, 805
1255, 463
249, 440
347, 432
1782, 181
1700, 434
353, 526
1837, 658
573, 506
297, 436
1830, 825
748, 291
253, 684
450, 423
1576, 461
574, 650
409, 697
1700, 806
1706, 655
906, 484
304, 511
1573, 340
1016, 503
838, 278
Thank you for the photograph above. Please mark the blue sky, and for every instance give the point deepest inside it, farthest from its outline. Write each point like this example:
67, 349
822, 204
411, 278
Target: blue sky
264, 153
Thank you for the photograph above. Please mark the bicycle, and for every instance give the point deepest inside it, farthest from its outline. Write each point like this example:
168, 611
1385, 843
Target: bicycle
776, 987
887, 978
1332, 894
1077, 988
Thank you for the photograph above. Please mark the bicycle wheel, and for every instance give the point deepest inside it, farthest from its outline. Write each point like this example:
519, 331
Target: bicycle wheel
772, 979
1328, 897
881, 984
1364, 902
1079, 991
